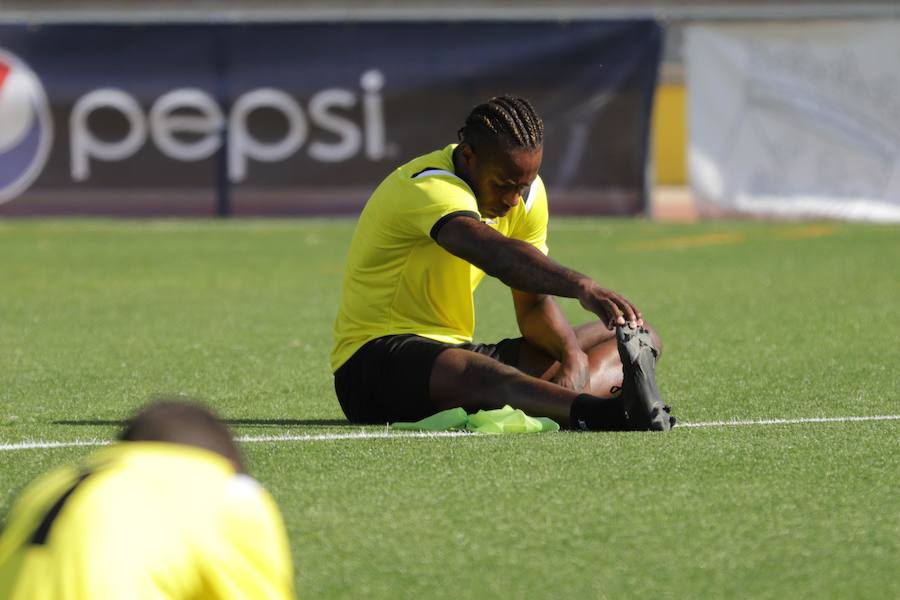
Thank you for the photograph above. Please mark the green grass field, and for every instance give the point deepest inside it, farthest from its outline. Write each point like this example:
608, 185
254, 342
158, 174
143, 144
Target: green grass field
759, 320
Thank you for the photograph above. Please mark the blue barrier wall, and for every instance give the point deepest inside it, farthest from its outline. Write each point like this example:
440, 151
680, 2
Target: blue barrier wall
302, 118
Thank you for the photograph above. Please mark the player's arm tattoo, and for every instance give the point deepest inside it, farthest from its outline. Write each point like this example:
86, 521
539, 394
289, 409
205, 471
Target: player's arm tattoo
523, 267
516, 263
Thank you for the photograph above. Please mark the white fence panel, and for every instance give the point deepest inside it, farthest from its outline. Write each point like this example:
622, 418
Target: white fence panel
796, 120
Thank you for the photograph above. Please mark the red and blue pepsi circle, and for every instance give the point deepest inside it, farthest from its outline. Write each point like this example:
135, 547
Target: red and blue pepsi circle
26, 126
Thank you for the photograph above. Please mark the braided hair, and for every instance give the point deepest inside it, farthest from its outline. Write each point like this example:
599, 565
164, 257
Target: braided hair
506, 122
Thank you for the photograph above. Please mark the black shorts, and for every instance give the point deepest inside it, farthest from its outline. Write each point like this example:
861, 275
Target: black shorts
387, 379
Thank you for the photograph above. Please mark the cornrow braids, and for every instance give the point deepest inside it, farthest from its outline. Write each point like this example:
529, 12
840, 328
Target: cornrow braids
505, 121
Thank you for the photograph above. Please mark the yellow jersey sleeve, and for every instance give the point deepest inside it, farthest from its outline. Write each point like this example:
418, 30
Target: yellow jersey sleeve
438, 195
252, 557
531, 227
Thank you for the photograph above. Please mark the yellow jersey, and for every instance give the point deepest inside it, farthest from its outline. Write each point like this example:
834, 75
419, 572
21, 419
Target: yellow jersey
398, 280
145, 520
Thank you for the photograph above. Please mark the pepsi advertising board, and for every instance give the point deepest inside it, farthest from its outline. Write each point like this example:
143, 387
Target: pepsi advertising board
306, 118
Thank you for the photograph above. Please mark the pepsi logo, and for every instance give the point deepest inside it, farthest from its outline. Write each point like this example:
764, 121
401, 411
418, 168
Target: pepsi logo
26, 126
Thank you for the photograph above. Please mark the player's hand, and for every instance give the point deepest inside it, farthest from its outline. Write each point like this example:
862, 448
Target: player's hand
574, 371
611, 307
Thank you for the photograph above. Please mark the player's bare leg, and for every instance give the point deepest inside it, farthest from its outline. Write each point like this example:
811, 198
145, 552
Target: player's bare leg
461, 378
474, 381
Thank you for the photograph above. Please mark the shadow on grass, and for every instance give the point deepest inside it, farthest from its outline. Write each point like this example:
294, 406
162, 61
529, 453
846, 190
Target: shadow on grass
236, 422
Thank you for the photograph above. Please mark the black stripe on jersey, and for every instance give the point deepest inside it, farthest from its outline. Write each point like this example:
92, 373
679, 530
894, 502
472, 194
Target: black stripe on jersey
527, 193
471, 214
414, 175
43, 530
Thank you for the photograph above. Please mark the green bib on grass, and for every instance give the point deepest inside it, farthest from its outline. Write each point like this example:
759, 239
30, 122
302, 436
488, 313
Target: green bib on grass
500, 420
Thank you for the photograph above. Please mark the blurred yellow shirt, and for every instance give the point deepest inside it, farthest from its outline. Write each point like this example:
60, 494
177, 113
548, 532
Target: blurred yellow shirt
145, 520
398, 279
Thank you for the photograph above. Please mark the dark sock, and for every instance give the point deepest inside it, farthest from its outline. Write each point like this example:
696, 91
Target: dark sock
599, 414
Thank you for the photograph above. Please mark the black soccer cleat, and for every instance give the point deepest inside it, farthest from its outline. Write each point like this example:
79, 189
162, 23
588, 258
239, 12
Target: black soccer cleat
645, 408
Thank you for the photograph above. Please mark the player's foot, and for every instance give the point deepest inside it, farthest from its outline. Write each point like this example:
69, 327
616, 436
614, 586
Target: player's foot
646, 409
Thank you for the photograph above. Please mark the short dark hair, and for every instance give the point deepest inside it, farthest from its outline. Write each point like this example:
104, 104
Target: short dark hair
181, 421
503, 121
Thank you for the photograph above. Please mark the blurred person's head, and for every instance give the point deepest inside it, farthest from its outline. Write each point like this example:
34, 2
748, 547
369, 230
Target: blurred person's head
182, 422
500, 152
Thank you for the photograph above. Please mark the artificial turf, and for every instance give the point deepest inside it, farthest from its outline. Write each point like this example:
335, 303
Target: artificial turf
759, 321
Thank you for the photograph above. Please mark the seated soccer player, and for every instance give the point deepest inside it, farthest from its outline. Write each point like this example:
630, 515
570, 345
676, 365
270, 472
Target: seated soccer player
167, 513
425, 239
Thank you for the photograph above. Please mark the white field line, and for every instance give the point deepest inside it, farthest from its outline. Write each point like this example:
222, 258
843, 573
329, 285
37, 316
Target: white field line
798, 421
254, 439
41, 445
388, 434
